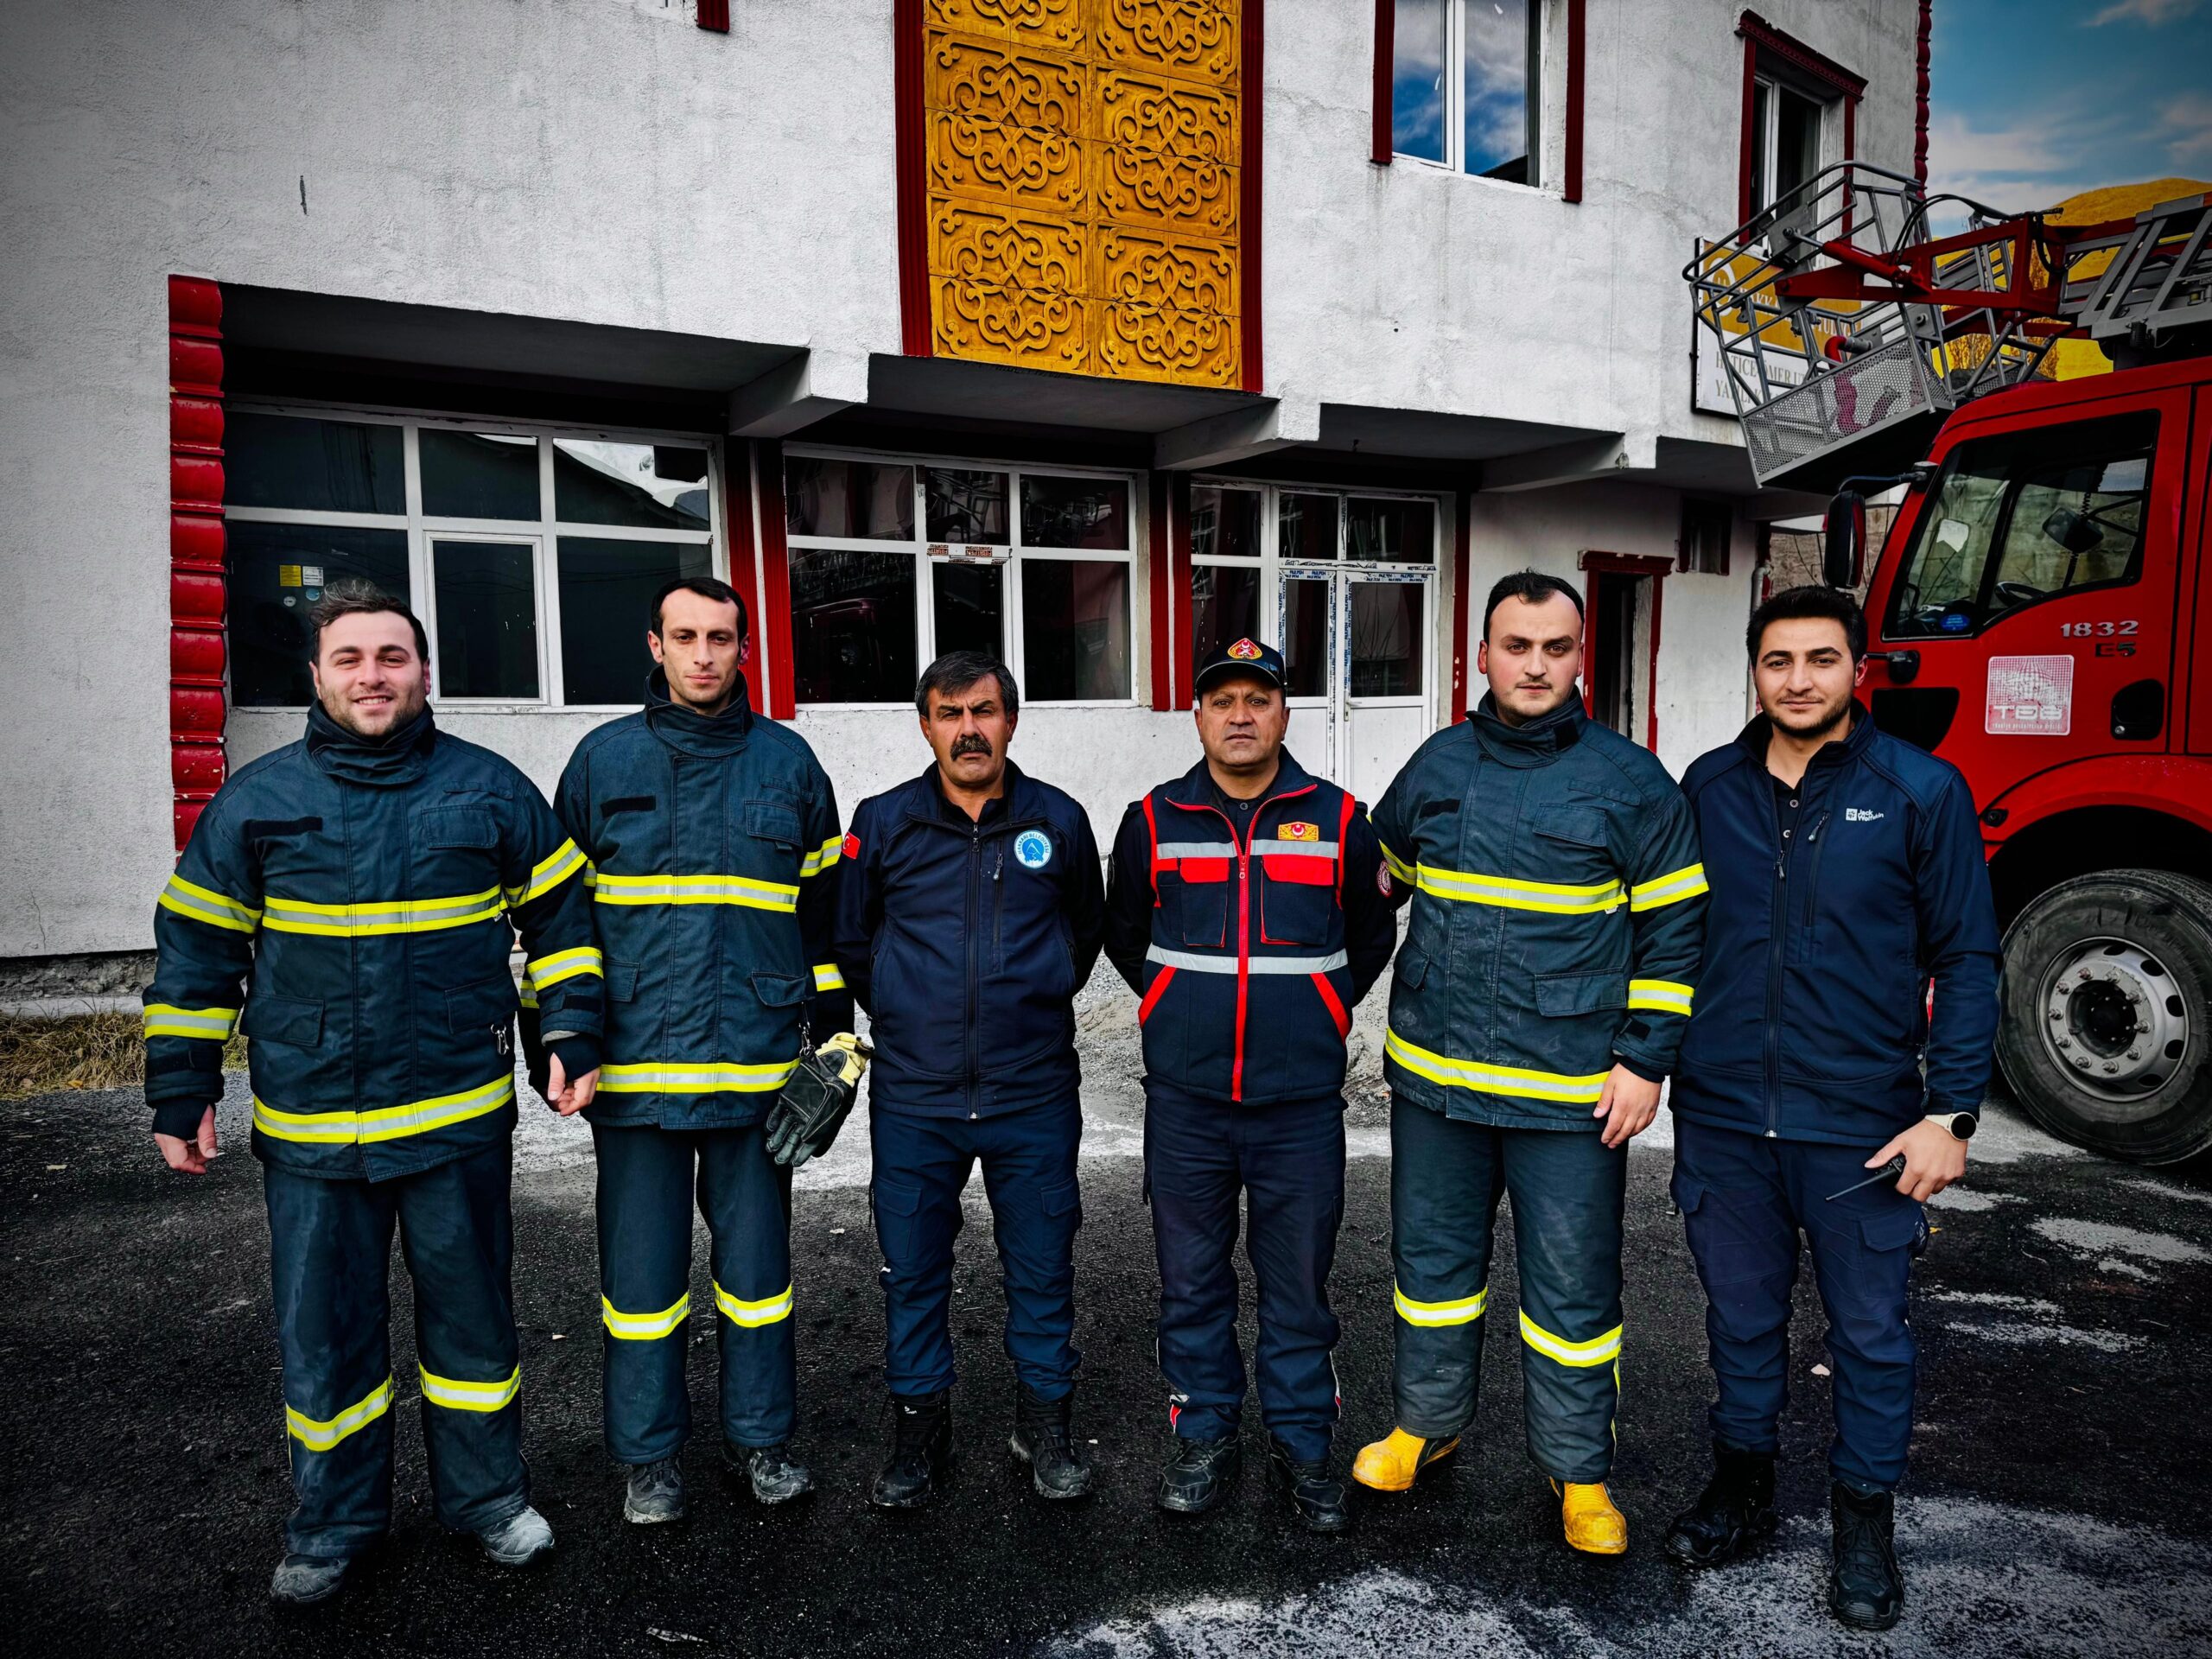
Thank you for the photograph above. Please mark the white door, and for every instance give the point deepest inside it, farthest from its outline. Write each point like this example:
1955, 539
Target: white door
1355, 644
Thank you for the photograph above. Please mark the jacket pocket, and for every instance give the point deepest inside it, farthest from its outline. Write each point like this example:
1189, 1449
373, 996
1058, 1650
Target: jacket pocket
282, 1019
779, 990
1296, 895
1577, 826
1412, 967
773, 821
621, 980
488, 1002
1200, 896
1562, 994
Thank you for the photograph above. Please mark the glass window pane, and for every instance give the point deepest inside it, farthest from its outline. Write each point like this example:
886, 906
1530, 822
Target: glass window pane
1386, 639
966, 507
607, 598
849, 498
478, 474
1798, 142
1404, 532
276, 571
487, 619
1305, 635
1499, 90
1224, 608
1417, 79
645, 485
1306, 526
1762, 124
287, 461
970, 607
1074, 629
1225, 523
1092, 512
853, 625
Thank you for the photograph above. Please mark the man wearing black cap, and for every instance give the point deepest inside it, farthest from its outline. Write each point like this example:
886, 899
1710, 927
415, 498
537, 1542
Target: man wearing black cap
1249, 908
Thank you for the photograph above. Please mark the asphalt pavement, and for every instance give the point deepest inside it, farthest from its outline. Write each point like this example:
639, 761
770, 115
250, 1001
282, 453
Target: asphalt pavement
2057, 1503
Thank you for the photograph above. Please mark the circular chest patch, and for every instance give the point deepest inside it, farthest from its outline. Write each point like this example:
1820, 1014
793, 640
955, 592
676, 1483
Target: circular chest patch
1032, 849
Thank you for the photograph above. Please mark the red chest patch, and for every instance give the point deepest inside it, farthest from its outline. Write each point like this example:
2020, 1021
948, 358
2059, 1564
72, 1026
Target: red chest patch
852, 847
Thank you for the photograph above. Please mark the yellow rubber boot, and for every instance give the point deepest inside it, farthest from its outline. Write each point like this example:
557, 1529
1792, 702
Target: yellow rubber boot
1390, 1464
1593, 1525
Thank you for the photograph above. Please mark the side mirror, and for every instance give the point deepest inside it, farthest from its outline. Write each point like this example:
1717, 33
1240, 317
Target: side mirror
1845, 529
2077, 532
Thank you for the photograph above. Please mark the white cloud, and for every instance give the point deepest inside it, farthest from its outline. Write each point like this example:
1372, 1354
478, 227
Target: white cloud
2149, 13
2185, 126
1955, 147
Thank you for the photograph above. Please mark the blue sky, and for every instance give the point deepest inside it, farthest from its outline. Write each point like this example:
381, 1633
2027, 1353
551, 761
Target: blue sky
2032, 100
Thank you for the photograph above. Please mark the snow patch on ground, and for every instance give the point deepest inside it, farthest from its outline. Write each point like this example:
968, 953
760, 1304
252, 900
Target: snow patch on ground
2096, 1238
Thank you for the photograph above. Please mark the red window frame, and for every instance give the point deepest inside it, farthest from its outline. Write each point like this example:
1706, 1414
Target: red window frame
1386, 35
1595, 567
1761, 37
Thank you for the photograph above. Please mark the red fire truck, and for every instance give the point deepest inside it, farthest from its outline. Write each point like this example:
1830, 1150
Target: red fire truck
2041, 611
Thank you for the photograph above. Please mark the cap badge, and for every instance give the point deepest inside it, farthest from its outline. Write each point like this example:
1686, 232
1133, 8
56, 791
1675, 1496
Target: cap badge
1244, 650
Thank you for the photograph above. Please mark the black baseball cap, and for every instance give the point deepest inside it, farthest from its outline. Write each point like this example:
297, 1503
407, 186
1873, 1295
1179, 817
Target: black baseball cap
1243, 657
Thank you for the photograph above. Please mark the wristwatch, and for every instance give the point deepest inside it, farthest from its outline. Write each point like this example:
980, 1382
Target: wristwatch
1961, 1124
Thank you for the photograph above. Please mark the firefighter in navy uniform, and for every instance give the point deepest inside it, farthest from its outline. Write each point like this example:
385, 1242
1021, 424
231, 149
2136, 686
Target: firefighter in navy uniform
1249, 911
714, 840
354, 892
1539, 1002
968, 919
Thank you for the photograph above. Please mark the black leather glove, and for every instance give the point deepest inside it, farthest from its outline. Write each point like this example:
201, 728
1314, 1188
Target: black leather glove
816, 1100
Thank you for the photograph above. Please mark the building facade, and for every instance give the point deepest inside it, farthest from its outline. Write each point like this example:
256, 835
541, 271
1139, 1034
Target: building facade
1096, 332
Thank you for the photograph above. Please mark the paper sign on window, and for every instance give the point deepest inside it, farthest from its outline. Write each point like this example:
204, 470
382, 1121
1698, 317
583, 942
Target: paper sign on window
2030, 696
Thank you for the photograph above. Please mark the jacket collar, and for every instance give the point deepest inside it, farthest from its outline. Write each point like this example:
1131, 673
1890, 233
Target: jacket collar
1752, 740
1537, 743
1195, 787
925, 798
398, 758
688, 732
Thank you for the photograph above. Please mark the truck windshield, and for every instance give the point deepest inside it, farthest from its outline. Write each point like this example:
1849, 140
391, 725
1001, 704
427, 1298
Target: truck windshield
2024, 516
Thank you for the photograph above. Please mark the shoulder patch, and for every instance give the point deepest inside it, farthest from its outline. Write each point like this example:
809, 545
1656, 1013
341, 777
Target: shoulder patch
852, 847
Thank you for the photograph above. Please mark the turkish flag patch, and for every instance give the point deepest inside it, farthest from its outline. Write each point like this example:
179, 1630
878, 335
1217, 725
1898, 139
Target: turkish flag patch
852, 848
1299, 832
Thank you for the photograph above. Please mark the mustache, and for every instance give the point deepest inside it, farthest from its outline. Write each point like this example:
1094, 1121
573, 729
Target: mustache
969, 743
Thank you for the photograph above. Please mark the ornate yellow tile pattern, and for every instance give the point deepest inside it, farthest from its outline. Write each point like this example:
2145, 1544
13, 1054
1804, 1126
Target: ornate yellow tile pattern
1082, 179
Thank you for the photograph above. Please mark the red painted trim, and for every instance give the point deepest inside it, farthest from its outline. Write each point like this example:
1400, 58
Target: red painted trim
1746, 160
1156, 581
1922, 53
1570, 185
1252, 83
1182, 671
1386, 49
1759, 36
1151, 996
199, 648
911, 175
715, 15
1344, 835
1796, 53
775, 580
1462, 542
1151, 844
1335, 1005
745, 570
1597, 565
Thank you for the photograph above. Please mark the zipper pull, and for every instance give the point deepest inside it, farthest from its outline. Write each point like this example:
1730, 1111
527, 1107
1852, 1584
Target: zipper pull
999, 868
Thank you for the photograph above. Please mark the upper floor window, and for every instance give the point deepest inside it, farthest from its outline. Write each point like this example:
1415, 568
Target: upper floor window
1785, 144
1466, 86
531, 556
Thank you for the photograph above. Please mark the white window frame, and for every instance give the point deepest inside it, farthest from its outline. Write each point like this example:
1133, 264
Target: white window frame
545, 531
1766, 97
1455, 98
1015, 643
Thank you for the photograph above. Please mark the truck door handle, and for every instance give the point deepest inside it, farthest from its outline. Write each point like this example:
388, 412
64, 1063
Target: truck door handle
1903, 665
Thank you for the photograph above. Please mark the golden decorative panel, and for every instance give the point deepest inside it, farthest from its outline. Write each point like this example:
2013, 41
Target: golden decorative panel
1081, 165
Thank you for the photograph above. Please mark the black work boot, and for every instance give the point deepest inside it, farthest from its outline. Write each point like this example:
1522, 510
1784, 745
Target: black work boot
1314, 1493
303, 1580
1865, 1590
1042, 1439
775, 1475
1734, 1511
653, 1493
1199, 1474
921, 1453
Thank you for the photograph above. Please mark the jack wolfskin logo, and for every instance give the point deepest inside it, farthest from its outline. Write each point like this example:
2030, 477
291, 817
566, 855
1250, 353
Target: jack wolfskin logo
1858, 815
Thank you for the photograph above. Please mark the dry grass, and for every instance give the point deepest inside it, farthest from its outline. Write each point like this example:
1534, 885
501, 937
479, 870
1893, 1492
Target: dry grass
83, 1051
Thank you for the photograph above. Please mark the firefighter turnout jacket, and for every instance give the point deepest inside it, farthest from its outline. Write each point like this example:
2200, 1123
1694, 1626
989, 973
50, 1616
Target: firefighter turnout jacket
360, 894
713, 842
1249, 947
1558, 916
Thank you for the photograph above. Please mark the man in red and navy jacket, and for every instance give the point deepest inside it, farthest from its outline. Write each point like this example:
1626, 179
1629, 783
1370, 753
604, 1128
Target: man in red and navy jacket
1249, 907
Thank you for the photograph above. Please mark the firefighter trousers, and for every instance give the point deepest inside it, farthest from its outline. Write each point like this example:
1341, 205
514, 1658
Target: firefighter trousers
646, 1179
1567, 1189
330, 1245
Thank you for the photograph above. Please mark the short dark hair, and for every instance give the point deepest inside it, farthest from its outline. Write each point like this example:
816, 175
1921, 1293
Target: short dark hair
354, 596
1531, 586
958, 670
1823, 604
707, 587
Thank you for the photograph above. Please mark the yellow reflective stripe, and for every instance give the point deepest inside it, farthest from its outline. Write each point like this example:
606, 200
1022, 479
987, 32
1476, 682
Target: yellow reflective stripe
545, 971
385, 1123
1494, 1079
1465, 1311
1660, 996
644, 1327
1507, 893
653, 1078
694, 890
392, 916
827, 978
470, 1396
1399, 868
1669, 889
321, 1436
766, 1311
547, 874
1598, 1350
213, 1024
527, 990
822, 857
205, 904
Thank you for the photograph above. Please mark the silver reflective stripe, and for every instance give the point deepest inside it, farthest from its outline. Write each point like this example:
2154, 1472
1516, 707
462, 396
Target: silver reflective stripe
1267, 848
1196, 849
1198, 965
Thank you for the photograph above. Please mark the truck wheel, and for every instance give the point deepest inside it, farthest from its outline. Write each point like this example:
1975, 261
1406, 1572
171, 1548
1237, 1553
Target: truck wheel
2106, 1034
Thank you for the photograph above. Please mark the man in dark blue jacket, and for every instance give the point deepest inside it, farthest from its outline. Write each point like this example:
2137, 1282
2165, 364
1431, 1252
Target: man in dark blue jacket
1250, 913
967, 917
1846, 874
